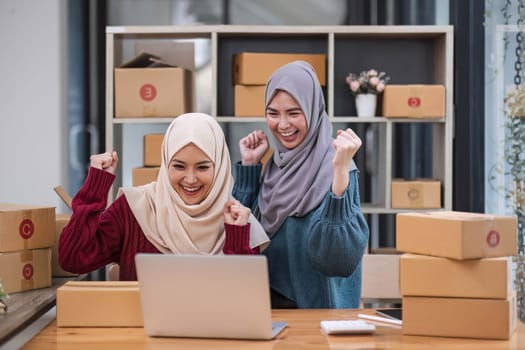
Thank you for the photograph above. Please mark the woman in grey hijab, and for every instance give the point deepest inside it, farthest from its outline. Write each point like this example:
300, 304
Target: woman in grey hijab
307, 198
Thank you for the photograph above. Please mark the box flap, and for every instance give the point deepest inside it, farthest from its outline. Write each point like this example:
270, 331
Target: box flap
143, 59
63, 195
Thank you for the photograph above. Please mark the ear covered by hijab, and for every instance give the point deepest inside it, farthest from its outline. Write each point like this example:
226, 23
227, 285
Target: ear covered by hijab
168, 222
296, 180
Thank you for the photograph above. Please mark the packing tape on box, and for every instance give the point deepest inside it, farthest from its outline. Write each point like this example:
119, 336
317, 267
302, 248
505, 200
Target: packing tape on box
26, 260
26, 227
26, 284
26, 255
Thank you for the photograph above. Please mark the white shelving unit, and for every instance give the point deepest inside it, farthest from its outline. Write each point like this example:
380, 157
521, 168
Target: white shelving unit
408, 54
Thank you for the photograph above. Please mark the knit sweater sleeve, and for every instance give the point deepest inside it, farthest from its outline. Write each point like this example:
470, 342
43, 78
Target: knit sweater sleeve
87, 243
238, 240
339, 232
247, 184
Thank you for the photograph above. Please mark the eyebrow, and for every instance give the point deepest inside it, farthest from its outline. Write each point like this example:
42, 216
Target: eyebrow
293, 109
203, 162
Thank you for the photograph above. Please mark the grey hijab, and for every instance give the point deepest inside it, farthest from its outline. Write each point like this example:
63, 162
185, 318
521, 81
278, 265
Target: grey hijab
295, 181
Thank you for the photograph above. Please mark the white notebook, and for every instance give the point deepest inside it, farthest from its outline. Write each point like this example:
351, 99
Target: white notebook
219, 296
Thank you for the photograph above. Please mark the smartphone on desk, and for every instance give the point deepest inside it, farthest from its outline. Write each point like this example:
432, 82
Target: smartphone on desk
392, 313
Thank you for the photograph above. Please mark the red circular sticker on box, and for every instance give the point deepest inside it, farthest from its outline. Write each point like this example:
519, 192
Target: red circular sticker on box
413, 194
148, 92
493, 238
26, 228
414, 102
27, 271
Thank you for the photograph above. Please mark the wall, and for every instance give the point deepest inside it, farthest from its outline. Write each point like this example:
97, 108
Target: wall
33, 122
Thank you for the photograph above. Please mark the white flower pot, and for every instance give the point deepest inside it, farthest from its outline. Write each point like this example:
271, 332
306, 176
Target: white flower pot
366, 105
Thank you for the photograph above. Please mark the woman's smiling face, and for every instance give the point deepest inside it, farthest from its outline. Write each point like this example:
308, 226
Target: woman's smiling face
191, 174
286, 120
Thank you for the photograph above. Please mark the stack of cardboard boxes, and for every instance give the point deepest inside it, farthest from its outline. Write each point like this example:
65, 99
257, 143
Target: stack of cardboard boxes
456, 274
27, 234
251, 71
152, 160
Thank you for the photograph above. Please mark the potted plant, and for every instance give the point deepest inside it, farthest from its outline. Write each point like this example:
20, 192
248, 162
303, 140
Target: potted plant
365, 87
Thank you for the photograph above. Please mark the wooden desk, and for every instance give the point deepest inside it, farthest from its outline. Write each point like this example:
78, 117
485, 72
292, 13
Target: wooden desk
303, 332
23, 308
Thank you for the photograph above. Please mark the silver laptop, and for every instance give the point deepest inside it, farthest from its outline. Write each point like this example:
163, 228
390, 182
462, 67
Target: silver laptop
219, 296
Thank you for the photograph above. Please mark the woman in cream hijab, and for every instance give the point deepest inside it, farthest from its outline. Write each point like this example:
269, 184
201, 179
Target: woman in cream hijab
188, 210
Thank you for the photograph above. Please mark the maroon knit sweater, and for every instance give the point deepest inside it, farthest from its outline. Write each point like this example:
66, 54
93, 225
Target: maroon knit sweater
96, 237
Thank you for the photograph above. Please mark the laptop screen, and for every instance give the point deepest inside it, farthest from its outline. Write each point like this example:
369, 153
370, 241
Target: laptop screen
219, 296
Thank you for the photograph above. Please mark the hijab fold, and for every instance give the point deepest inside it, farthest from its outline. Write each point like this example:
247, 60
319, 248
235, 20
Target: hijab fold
296, 180
173, 226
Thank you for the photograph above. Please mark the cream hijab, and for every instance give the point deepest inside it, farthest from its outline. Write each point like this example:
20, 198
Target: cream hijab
171, 225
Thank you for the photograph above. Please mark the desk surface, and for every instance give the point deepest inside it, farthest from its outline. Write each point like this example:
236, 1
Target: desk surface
25, 307
303, 332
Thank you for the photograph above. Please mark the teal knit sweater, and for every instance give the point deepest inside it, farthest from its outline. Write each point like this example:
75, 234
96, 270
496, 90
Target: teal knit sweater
314, 260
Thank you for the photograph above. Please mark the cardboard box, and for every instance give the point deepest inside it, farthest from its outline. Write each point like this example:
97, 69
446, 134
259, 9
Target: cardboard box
380, 276
460, 317
486, 278
254, 68
56, 270
142, 176
457, 235
153, 149
173, 53
25, 270
25, 227
249, 100
422, 193
414, 101
99, 304
152, 92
